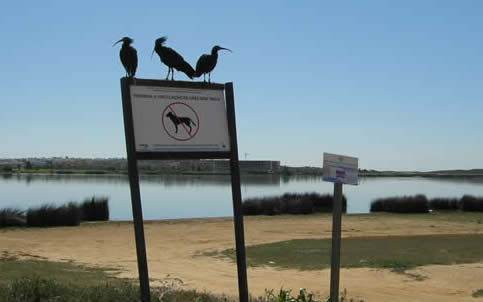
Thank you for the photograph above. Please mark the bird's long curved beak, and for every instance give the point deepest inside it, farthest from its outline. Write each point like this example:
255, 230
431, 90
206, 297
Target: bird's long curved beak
226, 49
152, 54
116, 42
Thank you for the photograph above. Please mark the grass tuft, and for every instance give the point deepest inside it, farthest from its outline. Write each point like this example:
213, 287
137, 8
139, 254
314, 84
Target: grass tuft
27, 280
478, 293
43, 289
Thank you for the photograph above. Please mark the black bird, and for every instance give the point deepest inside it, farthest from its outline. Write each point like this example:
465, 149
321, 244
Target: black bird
129, 56
207, 62
172, 59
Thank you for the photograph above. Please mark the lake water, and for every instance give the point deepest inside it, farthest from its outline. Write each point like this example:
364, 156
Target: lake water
187, 196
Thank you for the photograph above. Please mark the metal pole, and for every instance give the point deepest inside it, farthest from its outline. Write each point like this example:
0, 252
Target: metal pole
236, 195
336, 238
135, 193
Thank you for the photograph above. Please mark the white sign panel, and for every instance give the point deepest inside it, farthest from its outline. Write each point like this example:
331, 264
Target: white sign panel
168, 119
340, 169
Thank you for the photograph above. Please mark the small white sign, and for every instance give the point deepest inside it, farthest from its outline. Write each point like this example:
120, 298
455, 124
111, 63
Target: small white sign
168, 119
340, 169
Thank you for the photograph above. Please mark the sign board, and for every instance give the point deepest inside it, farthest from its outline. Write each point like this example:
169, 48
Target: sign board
180, 120
340, 169
170, 119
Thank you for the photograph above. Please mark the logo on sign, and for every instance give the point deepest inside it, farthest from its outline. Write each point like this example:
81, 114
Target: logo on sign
340, 173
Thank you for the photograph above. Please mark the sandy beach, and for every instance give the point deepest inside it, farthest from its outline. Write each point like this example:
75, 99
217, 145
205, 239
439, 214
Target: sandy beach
174, 247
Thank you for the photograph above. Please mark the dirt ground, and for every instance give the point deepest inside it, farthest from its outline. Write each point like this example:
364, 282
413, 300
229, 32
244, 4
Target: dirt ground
172, 246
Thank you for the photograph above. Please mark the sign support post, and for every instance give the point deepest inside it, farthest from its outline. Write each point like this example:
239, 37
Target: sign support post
336, 238
338, 169
236, 195
162, 122
135, 192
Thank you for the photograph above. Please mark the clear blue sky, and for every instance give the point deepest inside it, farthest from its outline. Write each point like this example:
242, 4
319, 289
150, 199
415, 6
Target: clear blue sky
396, 83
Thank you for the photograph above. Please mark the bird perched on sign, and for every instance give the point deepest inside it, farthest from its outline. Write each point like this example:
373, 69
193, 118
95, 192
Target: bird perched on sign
207, 62
172, 59
129, 56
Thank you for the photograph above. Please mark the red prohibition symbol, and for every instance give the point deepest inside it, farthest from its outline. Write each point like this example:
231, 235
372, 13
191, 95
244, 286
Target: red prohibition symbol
183, 120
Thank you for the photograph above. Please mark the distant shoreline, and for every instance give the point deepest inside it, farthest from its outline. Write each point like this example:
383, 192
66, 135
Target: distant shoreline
118, 166
420, 174
299, 172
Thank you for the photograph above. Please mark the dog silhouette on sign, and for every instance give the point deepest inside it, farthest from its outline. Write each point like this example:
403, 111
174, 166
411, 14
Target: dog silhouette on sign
180, 120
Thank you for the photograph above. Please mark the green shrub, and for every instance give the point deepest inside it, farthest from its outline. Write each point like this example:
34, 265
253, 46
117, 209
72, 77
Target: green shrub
285, 296
182, 295
478, 293
12, 217
406, 204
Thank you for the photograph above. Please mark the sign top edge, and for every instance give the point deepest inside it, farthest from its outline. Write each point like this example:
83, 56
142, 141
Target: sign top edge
175, 84
339, 155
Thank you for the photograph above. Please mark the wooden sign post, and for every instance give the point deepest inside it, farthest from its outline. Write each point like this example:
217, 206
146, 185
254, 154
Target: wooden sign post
338, 169
180, 120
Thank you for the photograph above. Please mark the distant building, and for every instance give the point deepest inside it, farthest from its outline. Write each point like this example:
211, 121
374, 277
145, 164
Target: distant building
266, 166
114, 164
10, 164
247, 166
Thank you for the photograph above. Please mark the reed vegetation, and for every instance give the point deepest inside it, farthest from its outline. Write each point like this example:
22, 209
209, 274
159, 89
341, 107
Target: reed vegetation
291, 203
10, 217
444, 204
48, 215
404, 204
95, 209
421, 204
470, 203
51, 215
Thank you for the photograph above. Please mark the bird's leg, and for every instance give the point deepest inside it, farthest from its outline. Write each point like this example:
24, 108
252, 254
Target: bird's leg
172, 74
204, 77
209, 77
167, 76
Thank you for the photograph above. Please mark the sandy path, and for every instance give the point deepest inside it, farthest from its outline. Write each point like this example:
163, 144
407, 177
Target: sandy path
172, 245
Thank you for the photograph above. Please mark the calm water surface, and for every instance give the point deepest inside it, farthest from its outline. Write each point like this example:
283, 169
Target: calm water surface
187, 196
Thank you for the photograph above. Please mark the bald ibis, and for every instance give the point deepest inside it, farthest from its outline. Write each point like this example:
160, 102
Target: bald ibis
207, 62
172, 59
128, 55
